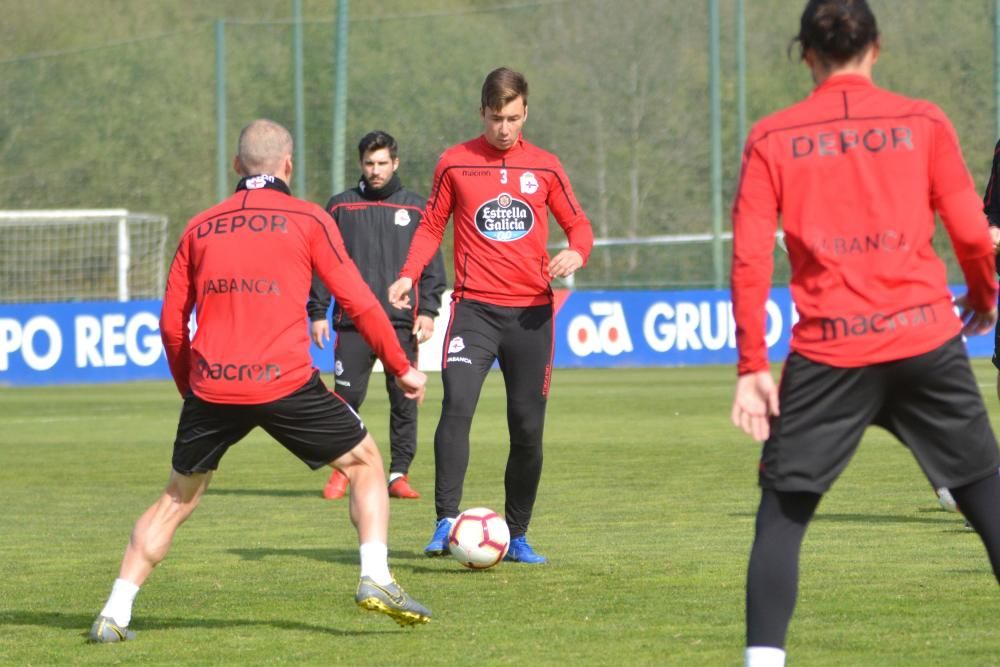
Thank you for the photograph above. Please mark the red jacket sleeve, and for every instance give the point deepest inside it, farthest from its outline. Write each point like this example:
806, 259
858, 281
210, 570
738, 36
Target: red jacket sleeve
755, 223
178, 301
570, 216
334, 267
954, 197
427, 238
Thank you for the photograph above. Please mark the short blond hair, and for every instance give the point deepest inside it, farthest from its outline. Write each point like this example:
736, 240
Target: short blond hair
263, 145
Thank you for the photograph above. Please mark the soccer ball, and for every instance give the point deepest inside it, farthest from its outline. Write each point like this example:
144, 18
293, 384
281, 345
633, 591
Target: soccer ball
479, 538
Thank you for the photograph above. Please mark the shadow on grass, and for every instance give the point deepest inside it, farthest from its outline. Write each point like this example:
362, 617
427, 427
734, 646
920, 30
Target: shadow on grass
64, 621
459, 570
274, 493
943, 521
332, 555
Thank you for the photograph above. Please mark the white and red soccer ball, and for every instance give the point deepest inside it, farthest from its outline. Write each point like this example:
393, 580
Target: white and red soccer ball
479, 538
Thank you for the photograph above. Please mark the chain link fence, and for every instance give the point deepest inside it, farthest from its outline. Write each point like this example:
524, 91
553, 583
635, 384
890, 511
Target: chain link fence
120, 112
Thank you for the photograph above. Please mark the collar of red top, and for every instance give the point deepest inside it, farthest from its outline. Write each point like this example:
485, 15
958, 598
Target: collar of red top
263, 182
493, 151
844, 81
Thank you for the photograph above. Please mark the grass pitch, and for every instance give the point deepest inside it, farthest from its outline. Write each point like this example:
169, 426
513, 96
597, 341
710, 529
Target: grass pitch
646, 511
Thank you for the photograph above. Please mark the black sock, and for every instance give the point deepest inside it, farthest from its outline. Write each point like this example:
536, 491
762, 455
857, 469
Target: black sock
773, 573
980, 503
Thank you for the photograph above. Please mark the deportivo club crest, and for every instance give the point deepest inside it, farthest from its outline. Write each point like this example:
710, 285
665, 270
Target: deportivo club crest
529, 184
504, 218
402, 217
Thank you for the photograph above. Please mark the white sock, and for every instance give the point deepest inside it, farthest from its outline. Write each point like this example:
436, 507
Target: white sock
393, 476
764, 656
375, 562
119, 604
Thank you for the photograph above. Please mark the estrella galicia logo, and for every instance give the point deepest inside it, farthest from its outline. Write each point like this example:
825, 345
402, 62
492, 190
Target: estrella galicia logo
504, 218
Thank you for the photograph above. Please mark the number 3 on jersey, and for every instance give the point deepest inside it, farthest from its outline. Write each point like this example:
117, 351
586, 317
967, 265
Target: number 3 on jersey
503, 176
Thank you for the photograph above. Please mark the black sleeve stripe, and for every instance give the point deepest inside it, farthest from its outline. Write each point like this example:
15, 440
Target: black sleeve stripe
433, 198
835, 119
357, 205
291, 212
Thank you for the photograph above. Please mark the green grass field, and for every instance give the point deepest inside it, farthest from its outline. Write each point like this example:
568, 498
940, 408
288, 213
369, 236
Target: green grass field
645, 510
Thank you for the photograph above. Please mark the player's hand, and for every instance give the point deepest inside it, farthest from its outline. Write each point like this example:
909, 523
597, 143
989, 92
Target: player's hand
399, 293
995, 237
414, 384
320, 332
975, 323
756, 401
565, 263
423, 328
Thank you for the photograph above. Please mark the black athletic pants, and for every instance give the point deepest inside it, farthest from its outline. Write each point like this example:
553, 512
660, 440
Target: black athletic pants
520, 339
930, 402
782, 519
353, 367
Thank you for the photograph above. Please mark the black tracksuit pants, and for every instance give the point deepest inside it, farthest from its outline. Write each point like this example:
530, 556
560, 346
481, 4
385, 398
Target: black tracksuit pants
353, 367
520, 339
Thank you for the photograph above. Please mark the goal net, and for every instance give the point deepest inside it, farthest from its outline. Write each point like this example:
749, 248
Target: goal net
81, 255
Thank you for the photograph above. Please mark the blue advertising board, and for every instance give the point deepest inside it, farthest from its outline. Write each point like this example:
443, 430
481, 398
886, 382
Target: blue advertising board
683, 328
54, 343
113, 342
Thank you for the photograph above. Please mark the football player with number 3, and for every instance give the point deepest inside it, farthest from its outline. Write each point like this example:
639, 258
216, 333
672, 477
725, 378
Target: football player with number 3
499, 189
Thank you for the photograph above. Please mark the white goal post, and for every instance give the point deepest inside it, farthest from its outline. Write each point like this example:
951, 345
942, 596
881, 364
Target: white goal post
81, 255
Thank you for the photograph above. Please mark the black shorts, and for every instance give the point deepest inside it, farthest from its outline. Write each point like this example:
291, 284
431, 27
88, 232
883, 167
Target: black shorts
996, 343
312, 423
931, 402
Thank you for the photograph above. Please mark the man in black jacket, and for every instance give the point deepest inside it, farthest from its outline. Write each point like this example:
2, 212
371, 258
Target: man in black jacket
991, 207
377, 220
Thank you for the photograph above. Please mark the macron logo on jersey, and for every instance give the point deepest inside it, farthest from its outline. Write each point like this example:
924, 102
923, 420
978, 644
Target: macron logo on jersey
504, 218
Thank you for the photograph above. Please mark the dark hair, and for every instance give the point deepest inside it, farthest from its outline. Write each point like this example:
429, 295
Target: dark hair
377, 140
837, 31
501, 87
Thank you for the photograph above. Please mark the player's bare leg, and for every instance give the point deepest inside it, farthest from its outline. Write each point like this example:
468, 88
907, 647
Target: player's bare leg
147, 547
154, 531
369, 502
369, 510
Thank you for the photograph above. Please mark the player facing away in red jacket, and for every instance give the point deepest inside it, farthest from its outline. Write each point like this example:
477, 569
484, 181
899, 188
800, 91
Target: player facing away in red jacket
245, 267
856, 174
498, 189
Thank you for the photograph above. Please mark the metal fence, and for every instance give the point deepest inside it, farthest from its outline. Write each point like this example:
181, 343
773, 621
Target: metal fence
120, 109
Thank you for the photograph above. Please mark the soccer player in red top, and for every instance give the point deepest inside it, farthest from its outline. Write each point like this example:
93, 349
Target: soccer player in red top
856, 174
499, 189
245, 267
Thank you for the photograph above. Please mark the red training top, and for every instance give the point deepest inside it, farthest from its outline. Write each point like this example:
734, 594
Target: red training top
856, 173
499, 201
246, 266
